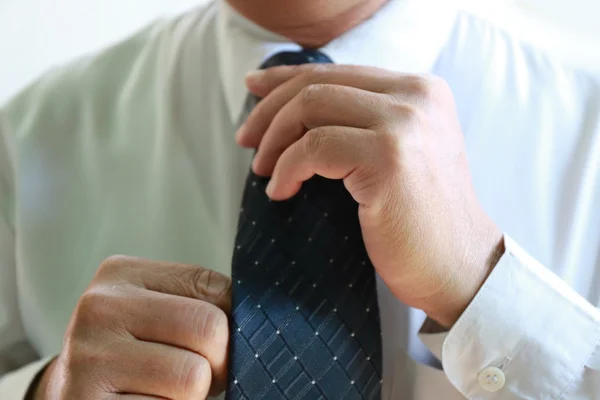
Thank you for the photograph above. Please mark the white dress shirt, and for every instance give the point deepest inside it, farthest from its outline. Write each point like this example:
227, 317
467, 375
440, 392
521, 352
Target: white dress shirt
132, 151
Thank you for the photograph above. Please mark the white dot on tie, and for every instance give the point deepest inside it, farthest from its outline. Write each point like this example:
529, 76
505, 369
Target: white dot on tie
253, 222
276, 283
335, 358
295, 357
254, 183
239, 247
239, 329
331, 260
255, 262
259, 306
293, 262
352, 334
235, 382
317, 333
368, 358
335, 310
326, 215
362, 262
368, 309
273, 381
290, 219
352, 382
272, 240
278, 332
310, 239
314, 285
256, 355
313, 382
381, 382
305, 196
350, 285
239, 282
346, 238
297, 308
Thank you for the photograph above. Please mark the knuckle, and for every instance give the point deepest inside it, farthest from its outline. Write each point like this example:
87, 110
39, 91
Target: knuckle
97, 309
112, 264
208, 322
90, 303
196, 376
419, 85
215, 325
440, 88
312, 73
311, 93
314, 141
405, 114
426, 85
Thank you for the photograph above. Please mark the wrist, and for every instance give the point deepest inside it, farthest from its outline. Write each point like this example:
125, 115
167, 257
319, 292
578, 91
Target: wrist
467, 283
39, 387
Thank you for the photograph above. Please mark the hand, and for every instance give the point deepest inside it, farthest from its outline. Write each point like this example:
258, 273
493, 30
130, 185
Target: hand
396, 141
144, 330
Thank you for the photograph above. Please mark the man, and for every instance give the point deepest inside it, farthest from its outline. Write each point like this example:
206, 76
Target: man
133, 151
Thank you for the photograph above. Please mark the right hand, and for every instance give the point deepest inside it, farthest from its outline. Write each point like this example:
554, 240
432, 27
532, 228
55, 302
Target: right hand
145, 330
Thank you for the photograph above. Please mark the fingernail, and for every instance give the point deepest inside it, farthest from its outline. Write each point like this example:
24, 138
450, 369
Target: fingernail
241, 132
254, 77
255, 163
270, 188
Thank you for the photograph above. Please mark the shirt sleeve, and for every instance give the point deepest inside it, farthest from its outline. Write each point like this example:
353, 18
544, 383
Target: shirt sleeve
15, 351
526, 335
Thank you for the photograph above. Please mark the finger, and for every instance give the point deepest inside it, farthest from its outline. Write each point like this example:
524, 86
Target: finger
278, 75
189, 324
171, 278
152, 369
283, 84
263, 82
332, 152
315, 106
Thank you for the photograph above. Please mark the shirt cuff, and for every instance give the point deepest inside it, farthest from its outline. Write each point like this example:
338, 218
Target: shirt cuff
526, 334
14, 385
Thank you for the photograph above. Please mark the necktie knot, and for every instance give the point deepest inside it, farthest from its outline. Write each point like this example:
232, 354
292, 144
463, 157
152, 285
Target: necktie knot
305, 56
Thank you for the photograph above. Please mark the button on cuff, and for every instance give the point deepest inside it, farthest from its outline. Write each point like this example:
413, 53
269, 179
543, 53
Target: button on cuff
491, 379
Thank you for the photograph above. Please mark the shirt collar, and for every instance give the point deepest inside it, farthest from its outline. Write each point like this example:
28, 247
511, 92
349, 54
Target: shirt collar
405, 35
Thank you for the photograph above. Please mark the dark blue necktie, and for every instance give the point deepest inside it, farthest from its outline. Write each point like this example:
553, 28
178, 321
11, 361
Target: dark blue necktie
305, 319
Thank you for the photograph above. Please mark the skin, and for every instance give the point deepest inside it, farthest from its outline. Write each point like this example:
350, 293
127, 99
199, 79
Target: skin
396, 142
310, 23
145, 329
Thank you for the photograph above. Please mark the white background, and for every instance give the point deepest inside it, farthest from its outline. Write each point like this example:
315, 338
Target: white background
38, 34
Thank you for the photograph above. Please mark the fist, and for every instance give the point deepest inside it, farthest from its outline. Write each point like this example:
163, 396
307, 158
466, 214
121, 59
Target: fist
145, 330
396, 141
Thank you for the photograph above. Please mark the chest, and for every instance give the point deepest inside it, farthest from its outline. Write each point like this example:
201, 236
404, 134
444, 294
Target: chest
167, 183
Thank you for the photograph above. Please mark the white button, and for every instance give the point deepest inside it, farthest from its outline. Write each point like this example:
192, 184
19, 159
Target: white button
491, 379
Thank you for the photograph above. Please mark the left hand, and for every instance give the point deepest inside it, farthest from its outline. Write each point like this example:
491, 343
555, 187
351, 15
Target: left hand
396, 141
